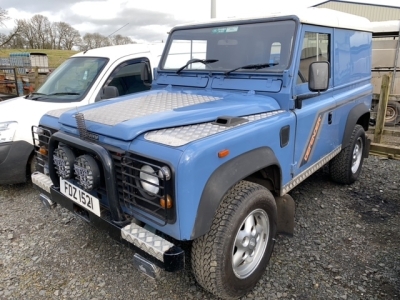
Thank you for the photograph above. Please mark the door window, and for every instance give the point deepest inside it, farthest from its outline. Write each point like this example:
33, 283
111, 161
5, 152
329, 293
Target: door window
131, 77
315, 48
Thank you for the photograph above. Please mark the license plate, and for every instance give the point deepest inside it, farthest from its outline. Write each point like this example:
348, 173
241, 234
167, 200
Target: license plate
80, 197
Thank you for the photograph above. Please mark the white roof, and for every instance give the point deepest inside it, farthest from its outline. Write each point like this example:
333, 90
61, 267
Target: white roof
386, 26
311, 15
115, 52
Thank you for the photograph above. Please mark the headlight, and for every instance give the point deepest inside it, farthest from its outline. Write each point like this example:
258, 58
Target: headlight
149, 180
7, 131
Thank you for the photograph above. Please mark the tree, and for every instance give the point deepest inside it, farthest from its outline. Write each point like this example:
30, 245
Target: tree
94, 40
3, 16
4, 38
121, 40
40, 26
67, 36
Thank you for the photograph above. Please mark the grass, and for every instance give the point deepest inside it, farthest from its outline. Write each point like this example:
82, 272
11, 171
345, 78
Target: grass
55, 57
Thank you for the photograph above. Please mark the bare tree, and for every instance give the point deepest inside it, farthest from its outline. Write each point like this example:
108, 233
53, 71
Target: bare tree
94, 40
3, 16
4, 38
67, 36
27, 33
121, 40
40, 27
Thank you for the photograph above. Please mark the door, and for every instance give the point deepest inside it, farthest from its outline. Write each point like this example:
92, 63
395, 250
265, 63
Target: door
316, 131
129, 77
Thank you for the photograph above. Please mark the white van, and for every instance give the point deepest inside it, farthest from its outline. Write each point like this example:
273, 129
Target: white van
86, 77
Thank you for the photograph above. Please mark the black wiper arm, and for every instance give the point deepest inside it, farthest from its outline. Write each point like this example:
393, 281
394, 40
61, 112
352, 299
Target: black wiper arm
196, 60
63, 94
251, 67
33, 94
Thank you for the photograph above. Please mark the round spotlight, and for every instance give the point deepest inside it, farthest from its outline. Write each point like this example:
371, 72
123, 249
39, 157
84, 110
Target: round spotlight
87, 172
149, 180
63, 161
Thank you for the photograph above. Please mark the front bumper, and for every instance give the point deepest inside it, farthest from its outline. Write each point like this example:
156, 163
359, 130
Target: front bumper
14, 158
146, 243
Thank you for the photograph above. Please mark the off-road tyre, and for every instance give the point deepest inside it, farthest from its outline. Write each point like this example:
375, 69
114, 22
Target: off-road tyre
31, 166
345, 168
212, 254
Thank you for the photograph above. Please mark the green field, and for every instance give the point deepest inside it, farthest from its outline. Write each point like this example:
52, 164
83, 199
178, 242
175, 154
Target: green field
56, 57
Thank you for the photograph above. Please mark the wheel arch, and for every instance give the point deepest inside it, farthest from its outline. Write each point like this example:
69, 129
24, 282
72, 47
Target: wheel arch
258, 165
359, 114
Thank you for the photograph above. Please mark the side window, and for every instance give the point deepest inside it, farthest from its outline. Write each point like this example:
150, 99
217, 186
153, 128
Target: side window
130, 77
315, 48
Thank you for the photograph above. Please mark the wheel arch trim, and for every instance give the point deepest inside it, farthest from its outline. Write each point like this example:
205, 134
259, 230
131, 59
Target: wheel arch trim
360, 111
223, 178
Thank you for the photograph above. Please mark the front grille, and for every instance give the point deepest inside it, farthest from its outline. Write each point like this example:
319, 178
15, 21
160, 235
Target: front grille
41, 137
134, 195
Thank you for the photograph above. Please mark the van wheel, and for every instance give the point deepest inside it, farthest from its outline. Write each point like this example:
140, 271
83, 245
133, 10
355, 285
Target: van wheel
346, 166
392, 113
392, 116
230, 259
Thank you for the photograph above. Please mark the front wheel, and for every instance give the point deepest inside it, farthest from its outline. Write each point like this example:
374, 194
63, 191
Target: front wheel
230, 259
346, 166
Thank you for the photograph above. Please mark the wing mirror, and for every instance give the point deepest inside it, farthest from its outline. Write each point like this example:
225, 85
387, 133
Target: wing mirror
318, 76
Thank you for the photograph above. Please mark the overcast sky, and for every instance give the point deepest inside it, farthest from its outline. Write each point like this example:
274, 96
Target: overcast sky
149, 20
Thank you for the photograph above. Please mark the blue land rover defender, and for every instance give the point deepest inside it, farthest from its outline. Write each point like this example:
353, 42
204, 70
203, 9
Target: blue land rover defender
241, 112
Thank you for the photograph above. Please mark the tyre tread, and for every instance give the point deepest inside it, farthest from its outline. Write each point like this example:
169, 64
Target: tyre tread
204, 263
339, 165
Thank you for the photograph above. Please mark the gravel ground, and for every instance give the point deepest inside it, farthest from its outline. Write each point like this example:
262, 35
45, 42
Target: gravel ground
346, 246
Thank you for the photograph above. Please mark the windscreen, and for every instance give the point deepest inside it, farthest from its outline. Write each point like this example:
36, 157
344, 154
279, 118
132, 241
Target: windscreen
232, 46
71, 80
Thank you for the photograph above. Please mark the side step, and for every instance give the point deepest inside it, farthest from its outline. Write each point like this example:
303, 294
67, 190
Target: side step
146, 240
172, 257
42, 182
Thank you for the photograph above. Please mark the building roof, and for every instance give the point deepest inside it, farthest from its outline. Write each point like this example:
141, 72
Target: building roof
392, 26
356, 3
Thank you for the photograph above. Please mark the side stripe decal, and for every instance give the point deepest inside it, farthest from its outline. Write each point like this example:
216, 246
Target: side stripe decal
309, 171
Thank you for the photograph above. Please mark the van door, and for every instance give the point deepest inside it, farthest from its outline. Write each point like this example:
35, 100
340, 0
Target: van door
129, 77
317, 127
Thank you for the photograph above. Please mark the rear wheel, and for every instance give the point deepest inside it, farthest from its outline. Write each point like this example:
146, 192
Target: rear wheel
346, 166
230, 259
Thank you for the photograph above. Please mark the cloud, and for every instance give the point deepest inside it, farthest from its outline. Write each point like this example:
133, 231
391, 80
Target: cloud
138, 21
38, 6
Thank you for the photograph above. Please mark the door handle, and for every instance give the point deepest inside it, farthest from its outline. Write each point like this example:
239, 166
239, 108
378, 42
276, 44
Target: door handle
330, 118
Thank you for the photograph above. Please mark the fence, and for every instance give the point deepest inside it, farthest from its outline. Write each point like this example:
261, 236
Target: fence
14, 81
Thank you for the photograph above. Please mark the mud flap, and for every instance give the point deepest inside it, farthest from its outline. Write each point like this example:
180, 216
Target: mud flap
286, 207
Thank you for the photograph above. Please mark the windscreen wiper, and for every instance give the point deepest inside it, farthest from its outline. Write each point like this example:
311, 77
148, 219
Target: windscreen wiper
196, 60
251, 67
63, 94
41, 95
33, 94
